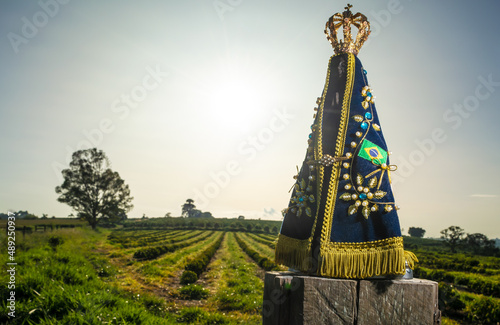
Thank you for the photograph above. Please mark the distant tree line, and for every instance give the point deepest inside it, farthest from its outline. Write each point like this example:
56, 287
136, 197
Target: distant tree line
455, 238
235, 224
23, 215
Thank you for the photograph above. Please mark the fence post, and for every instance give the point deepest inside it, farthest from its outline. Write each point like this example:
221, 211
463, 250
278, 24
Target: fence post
316, 300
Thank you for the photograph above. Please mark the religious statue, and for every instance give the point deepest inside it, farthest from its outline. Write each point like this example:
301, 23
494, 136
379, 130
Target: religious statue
342, 220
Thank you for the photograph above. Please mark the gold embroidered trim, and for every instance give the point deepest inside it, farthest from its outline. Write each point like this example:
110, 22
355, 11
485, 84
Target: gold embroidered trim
318, 153
294, 253
339, 149
363, 260
365, 246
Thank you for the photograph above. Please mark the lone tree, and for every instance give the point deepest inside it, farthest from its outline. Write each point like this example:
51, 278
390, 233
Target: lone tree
187, 208
189, 211
416, 232
93, 190
453, 237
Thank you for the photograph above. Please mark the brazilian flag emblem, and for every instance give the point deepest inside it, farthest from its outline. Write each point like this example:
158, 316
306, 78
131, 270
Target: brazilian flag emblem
370, 151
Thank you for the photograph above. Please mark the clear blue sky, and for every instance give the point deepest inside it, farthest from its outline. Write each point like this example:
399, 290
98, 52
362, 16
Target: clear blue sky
212, 100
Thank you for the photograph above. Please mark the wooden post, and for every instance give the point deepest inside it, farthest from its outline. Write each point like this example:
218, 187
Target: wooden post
296, 299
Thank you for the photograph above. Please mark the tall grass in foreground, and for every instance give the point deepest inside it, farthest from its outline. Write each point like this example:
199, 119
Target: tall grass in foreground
68, 284
241, 290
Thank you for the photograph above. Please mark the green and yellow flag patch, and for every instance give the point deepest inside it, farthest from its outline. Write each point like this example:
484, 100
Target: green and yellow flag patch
371, 152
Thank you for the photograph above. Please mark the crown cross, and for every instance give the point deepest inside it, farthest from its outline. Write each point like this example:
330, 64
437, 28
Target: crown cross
346, 19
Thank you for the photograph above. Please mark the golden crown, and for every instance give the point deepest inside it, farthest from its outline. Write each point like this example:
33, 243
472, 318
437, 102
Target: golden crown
346, 19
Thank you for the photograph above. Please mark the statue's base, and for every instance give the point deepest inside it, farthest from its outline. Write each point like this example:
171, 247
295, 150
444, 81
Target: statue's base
296, 299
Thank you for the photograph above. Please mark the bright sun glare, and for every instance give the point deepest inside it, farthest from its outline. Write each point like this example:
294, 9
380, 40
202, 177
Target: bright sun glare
235, 102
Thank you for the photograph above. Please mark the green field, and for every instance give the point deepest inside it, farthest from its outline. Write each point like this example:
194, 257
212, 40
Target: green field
469, 284
134, 275
198, 273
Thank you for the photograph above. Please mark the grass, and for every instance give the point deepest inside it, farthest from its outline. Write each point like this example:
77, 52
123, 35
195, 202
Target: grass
156, 275
86, 278
72, 285
169, 264
468, 283
239, 289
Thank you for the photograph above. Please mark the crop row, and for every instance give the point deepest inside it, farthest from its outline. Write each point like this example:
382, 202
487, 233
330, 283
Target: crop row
74, 284
478, 309
124, 235
475, 283
261, 240
173, 239
269, 237
121, 236
152, 252
158, 238
459, 263
195, 267
262, 261
240, 288
260, 248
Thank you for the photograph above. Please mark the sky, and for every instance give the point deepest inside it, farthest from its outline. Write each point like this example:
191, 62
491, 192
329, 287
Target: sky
213, 100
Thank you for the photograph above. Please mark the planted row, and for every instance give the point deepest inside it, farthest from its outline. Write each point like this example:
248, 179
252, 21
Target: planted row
270, 237
262, 261
164, 237
466, 306
194, 268
122, 236
152, 252
261, 240
475, 283
458, 263
174, 239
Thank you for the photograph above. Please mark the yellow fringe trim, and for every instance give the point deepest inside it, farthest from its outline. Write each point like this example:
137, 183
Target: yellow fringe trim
411, 259
294, 253
362, 260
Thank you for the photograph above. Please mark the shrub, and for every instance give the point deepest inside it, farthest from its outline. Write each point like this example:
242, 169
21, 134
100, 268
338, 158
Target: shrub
192, 315
195, 266
193, 292
449, 299
421, 273
188, 277
55, 241
199, 264
262, 261
484, 310
196, 315
149, 253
